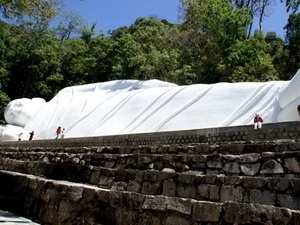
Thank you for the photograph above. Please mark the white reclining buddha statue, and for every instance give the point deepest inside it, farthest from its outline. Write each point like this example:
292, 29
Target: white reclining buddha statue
134, 106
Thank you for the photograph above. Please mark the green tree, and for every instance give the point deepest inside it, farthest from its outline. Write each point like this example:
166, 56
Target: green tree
257, 8
100, 63
291, 5
5, 50
124, 53
4, 100
69, 24
16, 8
249, 61
292, 39
147, 50
276, 49
223, 50
75, 61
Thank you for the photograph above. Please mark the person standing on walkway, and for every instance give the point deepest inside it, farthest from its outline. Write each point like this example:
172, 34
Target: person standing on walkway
257, 122
62, 133
31, 135
20, 136
58, 132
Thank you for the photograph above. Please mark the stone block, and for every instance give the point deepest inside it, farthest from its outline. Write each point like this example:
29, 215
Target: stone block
179, 205
292, 164
295, 184
296, 217
238, 213
176, 220
199, 158
115, 199
134, 186
271, 167
75, 193
186, 178
254, 182
125, 216
232, 167
147, 218
106, 182
103, 195
155, 203
231, 180
88, 195
202, 192
214, 194
212, 172
133, 201
119, 186
230, 157
275, 215
64, 211
109, 164
214, 164
169, 188
47, 197
249, 158
279, 184
231, 193
139, 175
186, 191
50, 215
262, 197
108, 172
250, 169
166, 173
150, 188
211, 179
291, 201
122, 175
150, 176
207, 211
144, 159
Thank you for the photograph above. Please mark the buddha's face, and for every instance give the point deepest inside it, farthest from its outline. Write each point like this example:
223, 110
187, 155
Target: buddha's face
19, 111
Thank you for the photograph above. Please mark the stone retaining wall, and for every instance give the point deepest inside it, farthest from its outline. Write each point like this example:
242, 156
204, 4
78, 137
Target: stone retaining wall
218, 176
280, 158
56, 202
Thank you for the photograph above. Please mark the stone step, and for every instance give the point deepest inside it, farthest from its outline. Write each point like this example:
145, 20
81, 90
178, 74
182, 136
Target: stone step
248, 164
281, 190
188, 148
61, 202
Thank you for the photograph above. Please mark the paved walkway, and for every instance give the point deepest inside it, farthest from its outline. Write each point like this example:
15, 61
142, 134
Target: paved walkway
7, 218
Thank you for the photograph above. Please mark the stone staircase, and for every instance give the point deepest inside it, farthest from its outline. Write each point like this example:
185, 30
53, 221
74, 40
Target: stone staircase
225, 176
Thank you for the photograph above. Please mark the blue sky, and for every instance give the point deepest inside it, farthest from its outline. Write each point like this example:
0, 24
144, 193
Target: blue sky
112, 14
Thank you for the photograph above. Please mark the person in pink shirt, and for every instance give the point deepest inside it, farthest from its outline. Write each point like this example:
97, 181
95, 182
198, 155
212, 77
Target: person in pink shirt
58, 132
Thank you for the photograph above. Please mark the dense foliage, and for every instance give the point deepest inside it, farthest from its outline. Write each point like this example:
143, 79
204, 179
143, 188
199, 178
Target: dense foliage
212, 44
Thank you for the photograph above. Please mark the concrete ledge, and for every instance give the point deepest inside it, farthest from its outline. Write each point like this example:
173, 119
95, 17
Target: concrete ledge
271, 131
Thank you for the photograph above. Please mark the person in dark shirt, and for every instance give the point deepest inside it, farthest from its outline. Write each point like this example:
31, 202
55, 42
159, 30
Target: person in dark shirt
31, 135
20, 136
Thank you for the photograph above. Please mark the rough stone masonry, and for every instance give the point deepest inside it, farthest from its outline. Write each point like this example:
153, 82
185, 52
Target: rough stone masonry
185, 177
